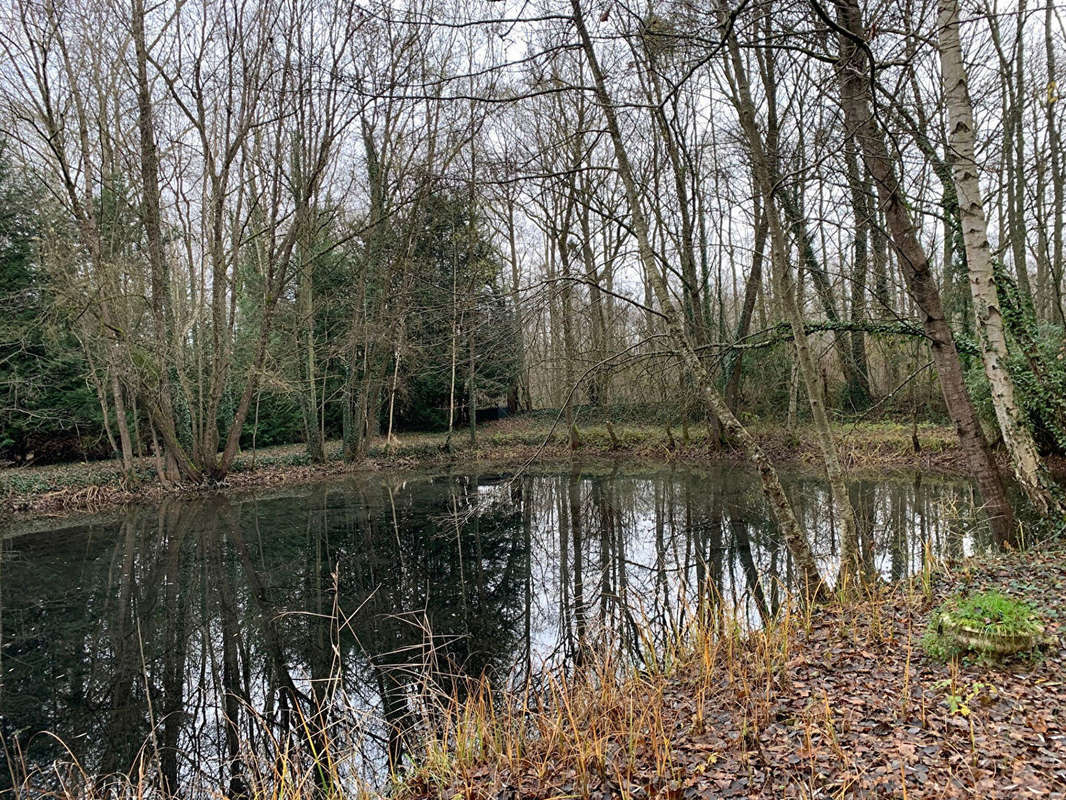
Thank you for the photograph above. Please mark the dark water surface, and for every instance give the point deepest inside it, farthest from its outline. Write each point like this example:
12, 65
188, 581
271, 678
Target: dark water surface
188, 632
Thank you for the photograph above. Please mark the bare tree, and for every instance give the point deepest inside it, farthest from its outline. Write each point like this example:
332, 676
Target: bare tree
862, 123
797, 541
1028, 469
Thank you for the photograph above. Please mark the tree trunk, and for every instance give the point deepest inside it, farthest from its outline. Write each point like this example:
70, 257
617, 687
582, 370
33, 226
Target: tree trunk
798, 225
734, 362
1017, 147
153, 228
858, 388
598, 379
915, 266
471, 385
523, 402
454, 359
123, 425
779, 255
1057, 168
1028, 469
567, 294
306, 339
810, 581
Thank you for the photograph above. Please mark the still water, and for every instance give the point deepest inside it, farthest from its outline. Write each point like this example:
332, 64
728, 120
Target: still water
187, 635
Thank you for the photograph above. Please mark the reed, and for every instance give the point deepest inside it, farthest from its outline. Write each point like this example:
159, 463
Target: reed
608, 720
602, 722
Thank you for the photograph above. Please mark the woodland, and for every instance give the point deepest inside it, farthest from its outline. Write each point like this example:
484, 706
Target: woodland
299, 222
338, 226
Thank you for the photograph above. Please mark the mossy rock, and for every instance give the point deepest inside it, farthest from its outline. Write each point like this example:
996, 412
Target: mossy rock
991, 624
987, 638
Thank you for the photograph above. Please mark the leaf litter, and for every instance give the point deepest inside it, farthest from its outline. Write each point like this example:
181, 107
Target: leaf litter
846, 704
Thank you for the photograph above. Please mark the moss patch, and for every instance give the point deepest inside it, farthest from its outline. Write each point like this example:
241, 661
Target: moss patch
989, 623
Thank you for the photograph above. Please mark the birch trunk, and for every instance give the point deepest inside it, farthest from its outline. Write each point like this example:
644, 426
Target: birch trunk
1028, 469
914, 264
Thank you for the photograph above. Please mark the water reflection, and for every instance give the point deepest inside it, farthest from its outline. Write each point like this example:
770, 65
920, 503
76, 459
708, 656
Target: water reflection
198, 637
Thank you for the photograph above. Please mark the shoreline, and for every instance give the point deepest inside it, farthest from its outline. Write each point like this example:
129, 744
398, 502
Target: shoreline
68, 489
841, 701
836, 700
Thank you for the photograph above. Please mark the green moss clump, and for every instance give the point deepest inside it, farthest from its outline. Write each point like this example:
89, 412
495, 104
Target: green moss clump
991, 623
998, 613
939, 647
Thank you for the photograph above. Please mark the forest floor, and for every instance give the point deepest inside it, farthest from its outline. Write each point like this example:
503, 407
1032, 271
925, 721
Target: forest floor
842, 703
509, 443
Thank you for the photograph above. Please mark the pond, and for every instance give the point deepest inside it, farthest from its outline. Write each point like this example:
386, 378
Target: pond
193, 633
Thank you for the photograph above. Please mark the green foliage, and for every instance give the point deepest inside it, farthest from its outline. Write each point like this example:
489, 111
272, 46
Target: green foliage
458, 284
277, 421
768, 376
995, 612
992, 613
441, 274
938, 647
961, 700
47, 407
1036, 366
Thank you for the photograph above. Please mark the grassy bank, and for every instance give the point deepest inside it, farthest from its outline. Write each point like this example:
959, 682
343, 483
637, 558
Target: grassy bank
503, 444
838, 702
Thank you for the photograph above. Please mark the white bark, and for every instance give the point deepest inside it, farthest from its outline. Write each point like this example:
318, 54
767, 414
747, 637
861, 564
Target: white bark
1025, 460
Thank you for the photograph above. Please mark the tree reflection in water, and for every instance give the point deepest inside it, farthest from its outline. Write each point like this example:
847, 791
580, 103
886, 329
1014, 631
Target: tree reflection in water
195, 639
